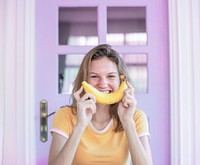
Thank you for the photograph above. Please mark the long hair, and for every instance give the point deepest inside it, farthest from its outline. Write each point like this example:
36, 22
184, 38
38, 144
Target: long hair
99, 52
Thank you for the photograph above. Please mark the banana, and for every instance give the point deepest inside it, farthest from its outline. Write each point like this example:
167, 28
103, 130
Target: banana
106, 98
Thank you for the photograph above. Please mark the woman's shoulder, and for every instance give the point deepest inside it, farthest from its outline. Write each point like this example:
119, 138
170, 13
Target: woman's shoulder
64, 121
142, 123
66, 110
139, 114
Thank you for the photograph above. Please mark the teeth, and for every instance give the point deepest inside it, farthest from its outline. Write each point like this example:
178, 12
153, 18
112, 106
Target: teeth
106, 92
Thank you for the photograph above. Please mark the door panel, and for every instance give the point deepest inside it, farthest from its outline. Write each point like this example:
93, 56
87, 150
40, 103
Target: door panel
155, 102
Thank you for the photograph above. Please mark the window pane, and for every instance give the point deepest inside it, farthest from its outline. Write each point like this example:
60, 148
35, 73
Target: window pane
68, 69
128, 23
78, 26
137, 67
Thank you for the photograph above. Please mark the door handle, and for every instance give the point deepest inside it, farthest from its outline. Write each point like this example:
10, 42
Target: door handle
43, 120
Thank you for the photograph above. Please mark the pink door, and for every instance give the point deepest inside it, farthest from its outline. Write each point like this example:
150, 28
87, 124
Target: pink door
152, 96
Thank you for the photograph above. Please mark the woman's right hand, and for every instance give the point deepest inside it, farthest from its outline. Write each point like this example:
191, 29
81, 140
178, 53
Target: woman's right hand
86, 107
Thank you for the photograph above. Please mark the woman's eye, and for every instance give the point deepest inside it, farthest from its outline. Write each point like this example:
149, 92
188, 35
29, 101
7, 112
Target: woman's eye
94, 76
111, 76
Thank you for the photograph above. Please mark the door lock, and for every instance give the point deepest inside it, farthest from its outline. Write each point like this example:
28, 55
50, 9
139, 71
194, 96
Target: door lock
43, 120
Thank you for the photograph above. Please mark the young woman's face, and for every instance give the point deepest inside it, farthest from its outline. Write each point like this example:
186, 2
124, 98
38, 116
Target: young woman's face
103, 75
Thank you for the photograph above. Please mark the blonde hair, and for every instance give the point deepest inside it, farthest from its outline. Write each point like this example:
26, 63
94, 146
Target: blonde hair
98, 52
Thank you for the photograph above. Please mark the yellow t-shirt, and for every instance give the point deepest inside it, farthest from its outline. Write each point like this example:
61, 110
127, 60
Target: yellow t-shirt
99, 147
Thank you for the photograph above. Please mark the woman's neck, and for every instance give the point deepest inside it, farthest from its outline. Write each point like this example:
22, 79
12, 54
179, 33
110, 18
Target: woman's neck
102, 113
102, 117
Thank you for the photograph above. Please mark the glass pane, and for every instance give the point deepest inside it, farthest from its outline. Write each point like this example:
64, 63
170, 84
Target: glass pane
137, 66
78, 26
68, 69
126, 26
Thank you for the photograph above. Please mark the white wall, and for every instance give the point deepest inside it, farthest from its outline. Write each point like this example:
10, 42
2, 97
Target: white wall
184, 25
17, 82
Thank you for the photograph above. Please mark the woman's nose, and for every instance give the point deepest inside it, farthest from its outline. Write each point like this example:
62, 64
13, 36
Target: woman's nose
103, 82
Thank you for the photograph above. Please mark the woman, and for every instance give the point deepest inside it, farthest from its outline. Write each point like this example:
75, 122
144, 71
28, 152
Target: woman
88, 132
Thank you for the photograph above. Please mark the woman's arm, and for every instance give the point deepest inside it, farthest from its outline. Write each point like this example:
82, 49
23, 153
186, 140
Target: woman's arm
62, 150
139, 147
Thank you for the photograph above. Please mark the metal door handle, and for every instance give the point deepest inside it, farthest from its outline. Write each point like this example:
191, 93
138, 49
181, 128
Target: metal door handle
43, 120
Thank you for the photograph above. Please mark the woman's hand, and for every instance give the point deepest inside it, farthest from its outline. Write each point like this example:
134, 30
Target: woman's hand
127, 106
86, 107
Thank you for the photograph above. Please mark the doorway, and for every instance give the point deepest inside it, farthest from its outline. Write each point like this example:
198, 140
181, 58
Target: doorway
144, 45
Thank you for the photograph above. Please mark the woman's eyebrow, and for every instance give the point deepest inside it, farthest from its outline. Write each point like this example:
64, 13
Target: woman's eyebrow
112, 73
92, 73
108, 73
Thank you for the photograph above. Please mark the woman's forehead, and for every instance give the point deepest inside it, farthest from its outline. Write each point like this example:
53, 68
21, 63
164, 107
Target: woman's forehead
103, 63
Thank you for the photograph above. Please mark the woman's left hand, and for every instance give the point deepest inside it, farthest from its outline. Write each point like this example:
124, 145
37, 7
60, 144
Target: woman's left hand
127, 106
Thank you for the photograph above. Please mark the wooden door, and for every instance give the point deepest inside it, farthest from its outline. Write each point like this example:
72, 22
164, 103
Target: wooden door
153, 96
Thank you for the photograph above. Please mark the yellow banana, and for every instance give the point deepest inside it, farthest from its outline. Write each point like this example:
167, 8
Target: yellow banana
106, 98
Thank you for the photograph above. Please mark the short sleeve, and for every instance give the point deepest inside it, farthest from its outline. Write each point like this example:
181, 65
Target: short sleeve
141, 122
63, 122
